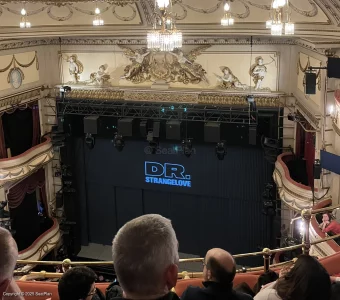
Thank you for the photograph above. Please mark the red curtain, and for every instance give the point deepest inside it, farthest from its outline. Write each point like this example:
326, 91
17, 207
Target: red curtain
3, 151
298, 140
310, 156
36, 125
29, 185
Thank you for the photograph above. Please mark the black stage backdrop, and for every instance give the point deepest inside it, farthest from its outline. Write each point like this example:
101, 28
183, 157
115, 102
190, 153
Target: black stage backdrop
223, 207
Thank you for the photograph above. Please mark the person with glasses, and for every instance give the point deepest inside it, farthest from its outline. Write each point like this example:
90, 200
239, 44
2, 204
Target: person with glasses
77, 283
219, 270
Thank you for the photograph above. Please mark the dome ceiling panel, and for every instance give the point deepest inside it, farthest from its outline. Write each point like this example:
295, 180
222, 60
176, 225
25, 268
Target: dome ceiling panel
255, 11
196, 18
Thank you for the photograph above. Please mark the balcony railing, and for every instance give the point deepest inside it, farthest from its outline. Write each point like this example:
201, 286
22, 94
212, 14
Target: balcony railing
41, 246
19, 167
295, 194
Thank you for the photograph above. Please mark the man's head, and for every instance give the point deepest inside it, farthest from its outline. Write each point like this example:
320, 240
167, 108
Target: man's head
8, 258
219, 266
145, 257
77, 283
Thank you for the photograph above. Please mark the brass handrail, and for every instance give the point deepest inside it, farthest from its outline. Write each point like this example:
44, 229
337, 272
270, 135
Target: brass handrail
100, 263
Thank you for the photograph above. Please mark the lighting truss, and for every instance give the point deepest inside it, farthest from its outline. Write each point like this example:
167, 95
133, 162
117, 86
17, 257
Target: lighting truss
157, 111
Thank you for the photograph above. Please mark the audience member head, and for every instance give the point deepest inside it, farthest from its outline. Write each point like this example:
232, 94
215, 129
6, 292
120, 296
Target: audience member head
77, 283
308, 279
8, 258
335, 291
145, 257
265, 278
326, 217
219, 266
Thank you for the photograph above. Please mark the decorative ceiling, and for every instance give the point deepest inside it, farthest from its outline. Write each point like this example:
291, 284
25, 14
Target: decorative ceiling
315, 19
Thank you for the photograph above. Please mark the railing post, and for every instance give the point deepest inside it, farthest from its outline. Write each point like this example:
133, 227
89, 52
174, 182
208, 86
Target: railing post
266, 259
306, 215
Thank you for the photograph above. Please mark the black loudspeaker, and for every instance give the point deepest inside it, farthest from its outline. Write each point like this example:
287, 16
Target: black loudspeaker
317, 169
125, 127
91, 124
333, 67
173, 130
252, 135
156, 128
310, 84
212, 132
143, 128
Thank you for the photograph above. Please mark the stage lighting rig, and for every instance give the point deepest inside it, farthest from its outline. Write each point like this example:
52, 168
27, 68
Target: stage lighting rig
187, 147
118, 142
153, 143
220, 150
89, 141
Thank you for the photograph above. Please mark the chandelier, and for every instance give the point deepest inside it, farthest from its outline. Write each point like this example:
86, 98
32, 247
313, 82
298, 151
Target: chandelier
164, 36
24, 23
97, 21
227, 19
280, 22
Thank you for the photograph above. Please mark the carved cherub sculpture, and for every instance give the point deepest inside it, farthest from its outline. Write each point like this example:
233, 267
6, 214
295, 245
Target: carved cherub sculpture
138, 59
259, 71
228, 80
75, 67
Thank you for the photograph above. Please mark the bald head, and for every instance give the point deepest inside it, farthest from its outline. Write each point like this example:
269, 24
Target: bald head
9, 255
220, 266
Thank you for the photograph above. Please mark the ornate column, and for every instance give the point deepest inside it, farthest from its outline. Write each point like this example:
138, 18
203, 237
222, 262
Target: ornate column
306, 215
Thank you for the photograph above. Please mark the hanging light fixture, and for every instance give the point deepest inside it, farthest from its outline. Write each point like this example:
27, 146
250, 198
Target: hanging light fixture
280, 18
97, 21
166, 37
227, 19
24, 22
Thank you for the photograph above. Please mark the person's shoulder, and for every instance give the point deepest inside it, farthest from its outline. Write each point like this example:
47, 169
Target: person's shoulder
191, 292
242, 296
267, 294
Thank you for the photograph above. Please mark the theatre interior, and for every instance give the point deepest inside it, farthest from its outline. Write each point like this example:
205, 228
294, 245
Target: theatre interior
221, 115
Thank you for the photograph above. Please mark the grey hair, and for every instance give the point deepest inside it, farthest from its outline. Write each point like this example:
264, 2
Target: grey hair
8, 256
142, 250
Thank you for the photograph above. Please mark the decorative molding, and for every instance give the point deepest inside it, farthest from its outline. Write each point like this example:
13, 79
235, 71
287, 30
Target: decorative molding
178, 96
66, 2
310, 117
16, 99
41, 246
294, 194
336, 128
19, 167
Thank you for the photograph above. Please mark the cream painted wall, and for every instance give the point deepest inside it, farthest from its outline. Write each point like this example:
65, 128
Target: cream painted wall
30, 74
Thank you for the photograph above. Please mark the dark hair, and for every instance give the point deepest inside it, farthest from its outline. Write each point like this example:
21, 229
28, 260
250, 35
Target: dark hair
335, 291
308, 279
76, 283
330, 216
265, 278
219, 273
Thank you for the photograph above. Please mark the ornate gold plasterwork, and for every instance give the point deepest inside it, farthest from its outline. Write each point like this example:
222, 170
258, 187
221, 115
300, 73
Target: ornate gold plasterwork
177, 96
64, 2
16, 99
158, 96
102, 94
18, 167
238, 100
174, 66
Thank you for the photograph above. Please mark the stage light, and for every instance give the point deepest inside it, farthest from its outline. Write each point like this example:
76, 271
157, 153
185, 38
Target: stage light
293, 117
118, 142
270, 143
89, 140
250, 99
220, 150
187, 147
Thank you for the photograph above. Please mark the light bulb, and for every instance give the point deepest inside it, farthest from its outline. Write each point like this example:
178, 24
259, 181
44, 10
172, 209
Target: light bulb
97, 11
23, 12
269, 24
275, 4
281, 3
331, 109
163, 3
226, 7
